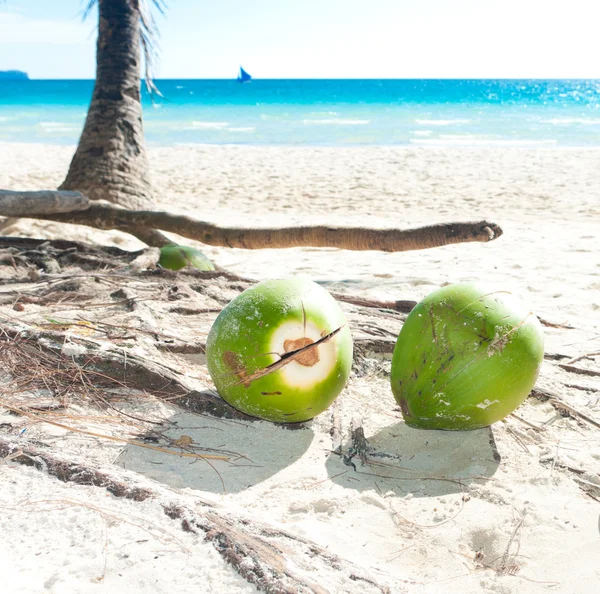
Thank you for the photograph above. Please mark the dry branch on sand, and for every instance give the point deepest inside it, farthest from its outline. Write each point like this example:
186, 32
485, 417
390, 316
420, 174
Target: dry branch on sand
143, 224
20, 204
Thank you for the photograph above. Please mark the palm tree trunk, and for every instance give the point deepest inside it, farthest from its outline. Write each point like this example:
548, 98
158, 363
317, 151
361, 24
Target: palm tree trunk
110, 162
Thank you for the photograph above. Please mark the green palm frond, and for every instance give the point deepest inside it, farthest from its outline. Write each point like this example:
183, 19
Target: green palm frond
88, 8
160, 5
150, 47
149, 35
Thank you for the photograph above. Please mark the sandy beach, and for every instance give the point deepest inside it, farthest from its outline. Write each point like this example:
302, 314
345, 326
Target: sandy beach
459, 519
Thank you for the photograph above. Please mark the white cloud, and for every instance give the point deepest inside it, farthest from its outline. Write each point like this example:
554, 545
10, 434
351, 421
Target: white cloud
17, 29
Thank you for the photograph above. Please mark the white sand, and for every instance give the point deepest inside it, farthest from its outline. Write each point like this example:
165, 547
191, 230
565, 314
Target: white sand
415, 536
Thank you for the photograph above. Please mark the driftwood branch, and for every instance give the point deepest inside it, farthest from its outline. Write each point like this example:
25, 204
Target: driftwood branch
388, 240
21, 204
141, 222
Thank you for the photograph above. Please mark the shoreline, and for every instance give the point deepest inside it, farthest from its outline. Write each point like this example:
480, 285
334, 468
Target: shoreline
533, 145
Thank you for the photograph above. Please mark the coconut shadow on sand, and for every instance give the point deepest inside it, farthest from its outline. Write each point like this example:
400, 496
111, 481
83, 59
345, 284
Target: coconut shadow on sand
257, 450
426, 463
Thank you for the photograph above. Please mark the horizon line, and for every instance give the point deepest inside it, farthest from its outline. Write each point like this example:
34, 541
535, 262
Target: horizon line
408, 78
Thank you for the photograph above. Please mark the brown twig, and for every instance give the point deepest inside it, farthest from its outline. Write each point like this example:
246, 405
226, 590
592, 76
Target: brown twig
558, 404
579, 370
404, 306
548, 324
584, 356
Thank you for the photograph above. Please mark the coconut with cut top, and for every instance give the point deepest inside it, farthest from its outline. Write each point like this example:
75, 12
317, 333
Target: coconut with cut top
280, 351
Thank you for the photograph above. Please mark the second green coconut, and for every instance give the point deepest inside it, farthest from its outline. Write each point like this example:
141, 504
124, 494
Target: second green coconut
280, 351
466, 357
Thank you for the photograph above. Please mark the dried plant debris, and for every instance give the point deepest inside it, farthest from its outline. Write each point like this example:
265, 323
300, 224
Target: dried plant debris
99, 357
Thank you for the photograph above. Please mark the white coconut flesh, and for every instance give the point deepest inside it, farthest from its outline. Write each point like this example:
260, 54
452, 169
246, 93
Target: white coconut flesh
309, 366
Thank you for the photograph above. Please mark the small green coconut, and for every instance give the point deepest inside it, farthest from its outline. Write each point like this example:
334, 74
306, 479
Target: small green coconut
175, 257
465, 358
280, 351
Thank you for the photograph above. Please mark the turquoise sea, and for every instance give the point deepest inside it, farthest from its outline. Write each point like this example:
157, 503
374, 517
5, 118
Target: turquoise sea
455, 113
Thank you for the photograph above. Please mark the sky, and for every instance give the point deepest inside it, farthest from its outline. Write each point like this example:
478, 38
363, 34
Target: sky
323, 38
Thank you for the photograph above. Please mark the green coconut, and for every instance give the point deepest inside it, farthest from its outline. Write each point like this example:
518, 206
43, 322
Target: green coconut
466, 357
175, 257
280, 351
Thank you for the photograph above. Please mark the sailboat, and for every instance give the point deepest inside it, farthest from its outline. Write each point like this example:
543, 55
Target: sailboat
243, 76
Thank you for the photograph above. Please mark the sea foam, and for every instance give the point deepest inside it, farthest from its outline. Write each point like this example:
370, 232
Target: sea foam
337, 122
210, 125
480, 142
441, 122
58, 127
567, 121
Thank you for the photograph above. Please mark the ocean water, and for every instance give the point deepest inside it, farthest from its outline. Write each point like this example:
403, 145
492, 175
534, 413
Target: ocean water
429, 113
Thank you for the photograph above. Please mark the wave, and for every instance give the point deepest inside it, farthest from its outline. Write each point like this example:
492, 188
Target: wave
441, 122
338, 122
481, 142
4, 118
241, 129
468, 137
209, 125
566, 121
422, 132
58, 127
322, 113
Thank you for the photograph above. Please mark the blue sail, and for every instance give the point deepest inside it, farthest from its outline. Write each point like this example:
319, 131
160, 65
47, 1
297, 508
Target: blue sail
243, 76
